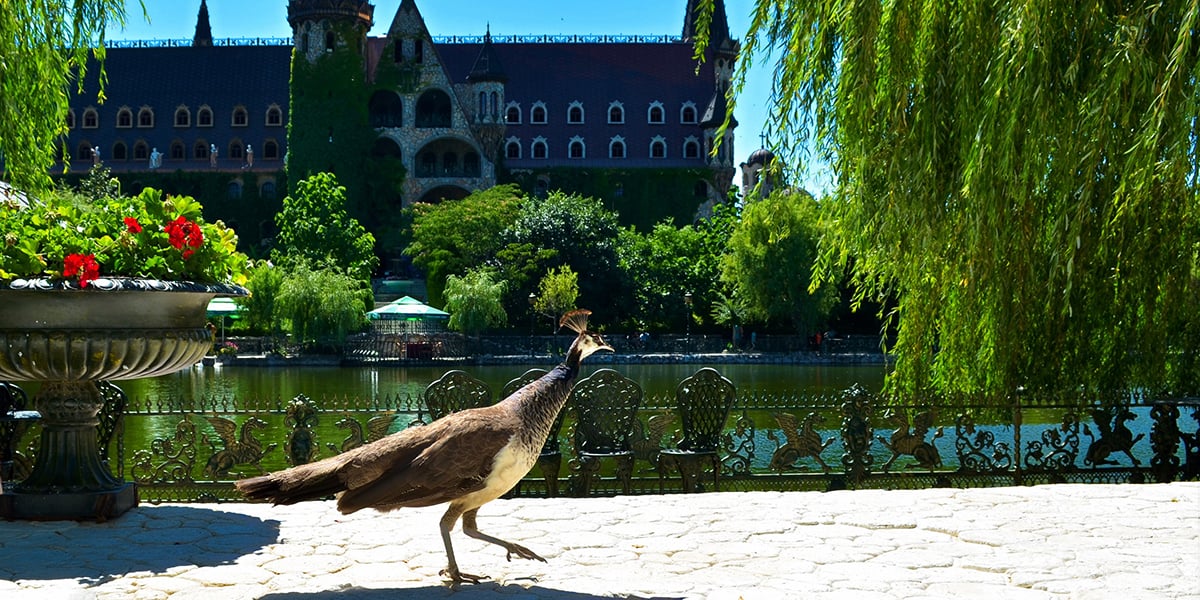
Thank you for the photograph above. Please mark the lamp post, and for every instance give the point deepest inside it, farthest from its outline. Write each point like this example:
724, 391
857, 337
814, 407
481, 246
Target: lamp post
532, 301
687, 300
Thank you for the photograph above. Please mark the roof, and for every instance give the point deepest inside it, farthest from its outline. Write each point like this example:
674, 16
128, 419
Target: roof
164, 78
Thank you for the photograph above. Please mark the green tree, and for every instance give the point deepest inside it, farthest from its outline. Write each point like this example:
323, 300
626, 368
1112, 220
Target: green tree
314, 227
769, 264
661, 267
321, 306
44, 50
264, 282
450, 237
474, 302
583, 235
557, 293
1020, 176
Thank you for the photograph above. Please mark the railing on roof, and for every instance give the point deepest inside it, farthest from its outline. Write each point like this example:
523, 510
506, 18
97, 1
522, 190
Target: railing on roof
437, 39
560, 39
185, 43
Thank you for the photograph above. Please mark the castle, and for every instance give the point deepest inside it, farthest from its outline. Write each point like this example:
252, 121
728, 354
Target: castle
411, 117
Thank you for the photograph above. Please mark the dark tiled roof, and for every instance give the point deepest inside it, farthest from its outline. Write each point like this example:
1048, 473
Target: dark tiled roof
221, 77
634, 74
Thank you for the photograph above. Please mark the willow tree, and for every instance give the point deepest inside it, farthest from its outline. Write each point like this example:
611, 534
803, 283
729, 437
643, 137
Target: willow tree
44, 50
1017, 178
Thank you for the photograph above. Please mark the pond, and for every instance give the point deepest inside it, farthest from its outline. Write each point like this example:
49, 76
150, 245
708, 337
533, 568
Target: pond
657, 380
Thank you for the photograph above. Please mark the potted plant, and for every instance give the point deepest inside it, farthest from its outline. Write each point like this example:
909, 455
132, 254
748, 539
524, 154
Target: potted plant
110, 288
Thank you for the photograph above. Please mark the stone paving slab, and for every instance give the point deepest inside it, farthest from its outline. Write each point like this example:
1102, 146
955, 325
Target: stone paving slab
1048, 542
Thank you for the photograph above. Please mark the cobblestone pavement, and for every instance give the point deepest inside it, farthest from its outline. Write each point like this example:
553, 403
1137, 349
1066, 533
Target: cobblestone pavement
1055, 541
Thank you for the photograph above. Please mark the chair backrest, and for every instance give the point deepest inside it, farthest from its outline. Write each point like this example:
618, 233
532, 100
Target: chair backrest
455, 391
520, 381
703, 401
606, 403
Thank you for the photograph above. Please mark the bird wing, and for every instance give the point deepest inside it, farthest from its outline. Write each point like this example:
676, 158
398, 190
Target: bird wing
428, 465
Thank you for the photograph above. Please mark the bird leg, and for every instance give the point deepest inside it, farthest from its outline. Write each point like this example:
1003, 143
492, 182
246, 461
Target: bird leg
469, 528
451, 570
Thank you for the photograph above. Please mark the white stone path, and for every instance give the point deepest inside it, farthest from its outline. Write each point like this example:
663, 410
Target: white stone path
1058, 541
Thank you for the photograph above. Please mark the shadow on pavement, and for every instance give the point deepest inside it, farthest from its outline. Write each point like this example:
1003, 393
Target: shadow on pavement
483, 590
150, 538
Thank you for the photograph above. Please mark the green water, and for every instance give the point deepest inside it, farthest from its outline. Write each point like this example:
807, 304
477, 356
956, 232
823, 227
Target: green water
374, 382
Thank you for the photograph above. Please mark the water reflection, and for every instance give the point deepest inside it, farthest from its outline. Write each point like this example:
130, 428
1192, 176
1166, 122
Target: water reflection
317, 382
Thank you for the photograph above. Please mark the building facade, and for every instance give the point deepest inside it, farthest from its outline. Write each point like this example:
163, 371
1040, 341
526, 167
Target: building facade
411, 117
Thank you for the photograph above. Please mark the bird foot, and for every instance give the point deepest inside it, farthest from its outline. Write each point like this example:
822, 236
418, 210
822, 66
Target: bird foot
457, 576
521, 552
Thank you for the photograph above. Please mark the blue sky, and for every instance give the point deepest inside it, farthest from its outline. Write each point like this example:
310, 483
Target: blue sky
176, 19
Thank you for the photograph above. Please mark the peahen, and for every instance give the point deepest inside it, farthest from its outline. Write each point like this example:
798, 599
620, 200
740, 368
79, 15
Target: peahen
467, 458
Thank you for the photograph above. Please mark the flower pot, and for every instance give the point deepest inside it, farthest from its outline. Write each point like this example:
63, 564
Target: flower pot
68, 338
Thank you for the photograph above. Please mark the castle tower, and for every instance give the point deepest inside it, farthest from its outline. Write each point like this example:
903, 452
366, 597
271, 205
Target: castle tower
327, 126
722, 52
487, 81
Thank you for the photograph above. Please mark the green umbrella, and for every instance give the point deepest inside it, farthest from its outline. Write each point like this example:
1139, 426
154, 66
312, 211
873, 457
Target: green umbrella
407, 308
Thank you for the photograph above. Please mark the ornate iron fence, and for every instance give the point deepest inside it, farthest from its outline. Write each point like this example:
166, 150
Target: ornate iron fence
183, 450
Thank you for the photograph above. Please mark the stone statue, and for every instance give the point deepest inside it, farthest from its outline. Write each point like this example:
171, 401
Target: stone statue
155, 158
249, 156
212, 155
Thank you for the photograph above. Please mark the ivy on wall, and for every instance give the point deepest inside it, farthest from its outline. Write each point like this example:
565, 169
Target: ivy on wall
641, 197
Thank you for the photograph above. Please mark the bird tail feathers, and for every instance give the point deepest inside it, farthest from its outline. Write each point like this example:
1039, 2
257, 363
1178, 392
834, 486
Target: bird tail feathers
305, 482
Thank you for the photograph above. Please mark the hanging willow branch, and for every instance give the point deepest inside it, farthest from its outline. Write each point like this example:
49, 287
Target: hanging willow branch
1018, 179
44, 47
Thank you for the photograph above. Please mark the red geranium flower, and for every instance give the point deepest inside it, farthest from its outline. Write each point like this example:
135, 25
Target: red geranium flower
132, 225
182, 232
82, 265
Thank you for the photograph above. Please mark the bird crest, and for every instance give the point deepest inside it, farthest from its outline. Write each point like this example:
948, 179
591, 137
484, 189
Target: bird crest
576, 320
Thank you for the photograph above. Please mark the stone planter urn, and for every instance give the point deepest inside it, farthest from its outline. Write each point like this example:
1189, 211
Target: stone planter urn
68, 338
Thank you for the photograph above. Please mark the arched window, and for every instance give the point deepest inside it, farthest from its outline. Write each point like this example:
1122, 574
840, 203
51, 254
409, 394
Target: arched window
83, 151
240, 117
183, 117
200, 150
386, 109
691, 148
91, 119
495, 99
575, 113
270, 150
538, 114
512, 114
655, 114
576, 148
616, 113
330, 41
124, 118
267, 191
120, 151
450, 163
141, 150
433, 109
235, 190
700, 190
658, 147
419, 51
236, 150
204, 117
146, 117
512, 149
616, 147
687, 114
71, 119
176, 151
274, 116
540, 150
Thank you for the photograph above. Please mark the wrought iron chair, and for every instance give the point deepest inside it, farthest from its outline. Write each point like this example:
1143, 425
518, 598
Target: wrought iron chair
606, 404
703, 402
14, 420
550, 460
455, 391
